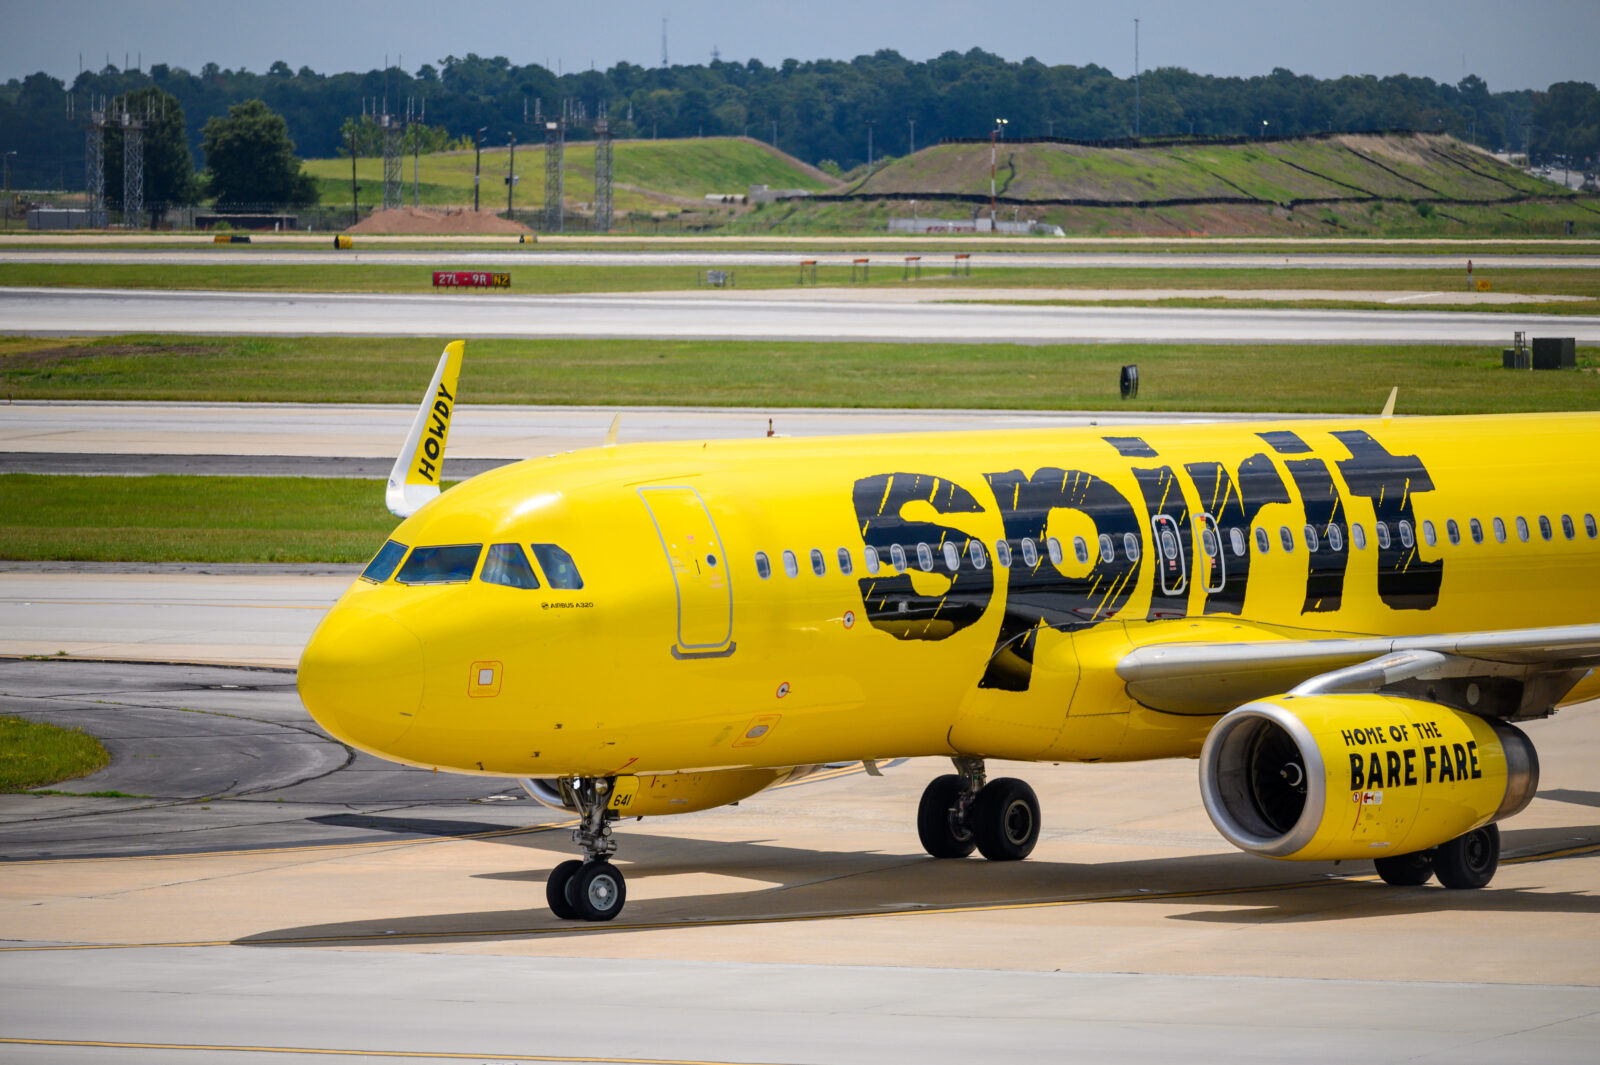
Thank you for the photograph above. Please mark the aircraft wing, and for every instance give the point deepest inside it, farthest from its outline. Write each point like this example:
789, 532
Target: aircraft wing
1213, 678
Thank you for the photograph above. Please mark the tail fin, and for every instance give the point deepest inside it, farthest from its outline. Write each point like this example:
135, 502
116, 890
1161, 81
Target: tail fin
416, 474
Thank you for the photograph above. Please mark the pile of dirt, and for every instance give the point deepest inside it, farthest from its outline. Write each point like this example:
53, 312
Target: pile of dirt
423, 220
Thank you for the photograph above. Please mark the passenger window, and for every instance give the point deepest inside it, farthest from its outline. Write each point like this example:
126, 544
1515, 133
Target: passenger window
1030, 553
952, 557
1588, 525
559, 569
507, 565
1358, 536
1080, 549
381, 568
763, 567
869, 554
975, 551
1002, 552
441, 565
791, 565
1286, 538
1499, 531
1054, 547
1453, 531
1428, 535
1236, 538
1522, 529
1567, 529
1108, 551
1335, 538
818, 565
1311, 539
1130, 546
1263, 544
897, 558
1382, 528
1476, 528
846, 566
1169, 544
1544, 527
925, 558
1208, 541
1407, 538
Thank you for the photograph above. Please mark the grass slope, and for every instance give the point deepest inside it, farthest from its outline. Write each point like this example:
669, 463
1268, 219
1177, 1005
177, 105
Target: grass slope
647, 174
33, 754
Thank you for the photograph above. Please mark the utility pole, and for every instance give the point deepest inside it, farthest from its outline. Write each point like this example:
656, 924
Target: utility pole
355, 189
913, 150
477, 165
993, 135
869, 147
511, 171
1135, 79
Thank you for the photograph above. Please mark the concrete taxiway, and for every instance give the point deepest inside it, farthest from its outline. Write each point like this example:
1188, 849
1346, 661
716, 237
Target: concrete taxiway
259, 893
43, 311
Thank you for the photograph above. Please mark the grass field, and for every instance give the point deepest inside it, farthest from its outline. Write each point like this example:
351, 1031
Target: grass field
542, 278
1433, 379
33, 754
198, 519
647, 174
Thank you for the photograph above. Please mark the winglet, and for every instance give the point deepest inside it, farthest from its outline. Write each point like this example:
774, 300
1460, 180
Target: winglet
1388, 408
416, 474
611, 433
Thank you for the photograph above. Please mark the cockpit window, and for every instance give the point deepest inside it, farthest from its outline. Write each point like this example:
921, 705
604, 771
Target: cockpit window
559, 569
441, 565
381, 568
507, 565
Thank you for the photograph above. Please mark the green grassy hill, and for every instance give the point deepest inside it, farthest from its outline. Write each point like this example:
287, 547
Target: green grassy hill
649, 175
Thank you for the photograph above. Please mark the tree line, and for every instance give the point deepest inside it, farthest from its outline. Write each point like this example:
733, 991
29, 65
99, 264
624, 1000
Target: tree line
819, 110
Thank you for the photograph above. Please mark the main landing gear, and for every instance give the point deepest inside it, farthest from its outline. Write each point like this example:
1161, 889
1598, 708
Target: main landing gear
1467, 861
591, 888
959, 812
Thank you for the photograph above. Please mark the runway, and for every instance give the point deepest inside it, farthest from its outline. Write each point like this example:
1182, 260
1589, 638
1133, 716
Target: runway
259, 894
933, 258
43, 311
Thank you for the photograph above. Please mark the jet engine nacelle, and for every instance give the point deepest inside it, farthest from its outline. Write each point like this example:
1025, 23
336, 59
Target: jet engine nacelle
1323, 777
655, 794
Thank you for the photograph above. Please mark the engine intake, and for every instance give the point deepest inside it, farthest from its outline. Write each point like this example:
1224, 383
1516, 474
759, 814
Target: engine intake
1326, 777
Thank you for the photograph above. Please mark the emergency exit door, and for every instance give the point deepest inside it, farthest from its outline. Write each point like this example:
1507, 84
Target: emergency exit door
699, 571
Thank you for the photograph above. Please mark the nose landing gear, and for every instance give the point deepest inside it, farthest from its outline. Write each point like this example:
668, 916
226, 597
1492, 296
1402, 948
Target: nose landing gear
959, 812
591, 889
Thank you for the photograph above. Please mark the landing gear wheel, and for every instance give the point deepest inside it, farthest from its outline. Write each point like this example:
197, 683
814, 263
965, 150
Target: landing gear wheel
1406, 870
944, 833
1005, 819
598, 891
1468, 861
555, 890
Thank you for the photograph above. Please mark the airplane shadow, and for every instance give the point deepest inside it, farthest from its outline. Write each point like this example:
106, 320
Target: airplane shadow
809, 885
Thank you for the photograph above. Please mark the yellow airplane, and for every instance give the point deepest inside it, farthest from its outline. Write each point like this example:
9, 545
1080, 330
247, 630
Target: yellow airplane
1341, 619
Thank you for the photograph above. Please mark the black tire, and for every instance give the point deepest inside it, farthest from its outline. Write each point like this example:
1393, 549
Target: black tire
1005, 819
941, 834
598, 891
1406, 870
555, 890
1468, 861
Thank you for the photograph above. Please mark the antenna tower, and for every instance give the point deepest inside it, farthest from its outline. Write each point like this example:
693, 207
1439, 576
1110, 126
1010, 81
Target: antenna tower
555, 172
664, 19
392, 128
132, 168
602, 172
94, 155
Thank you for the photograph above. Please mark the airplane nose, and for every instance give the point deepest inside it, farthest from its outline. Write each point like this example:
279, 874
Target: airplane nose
361, 677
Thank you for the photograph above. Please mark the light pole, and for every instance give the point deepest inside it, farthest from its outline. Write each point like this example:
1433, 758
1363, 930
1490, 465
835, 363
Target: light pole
913, 150
1135, 79
869, 147
1263, 129
994, 135
477, 165
511, 171
7, 158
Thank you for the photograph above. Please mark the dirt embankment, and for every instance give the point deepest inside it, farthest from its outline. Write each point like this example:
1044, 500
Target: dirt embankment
426, 221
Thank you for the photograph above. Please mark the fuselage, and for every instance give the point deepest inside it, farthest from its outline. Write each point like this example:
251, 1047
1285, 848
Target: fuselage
779, 602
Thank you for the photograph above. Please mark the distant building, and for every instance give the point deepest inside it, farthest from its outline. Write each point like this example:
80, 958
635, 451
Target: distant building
1025, 227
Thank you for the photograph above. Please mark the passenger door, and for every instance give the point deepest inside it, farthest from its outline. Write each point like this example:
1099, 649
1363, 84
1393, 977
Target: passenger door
699, 569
